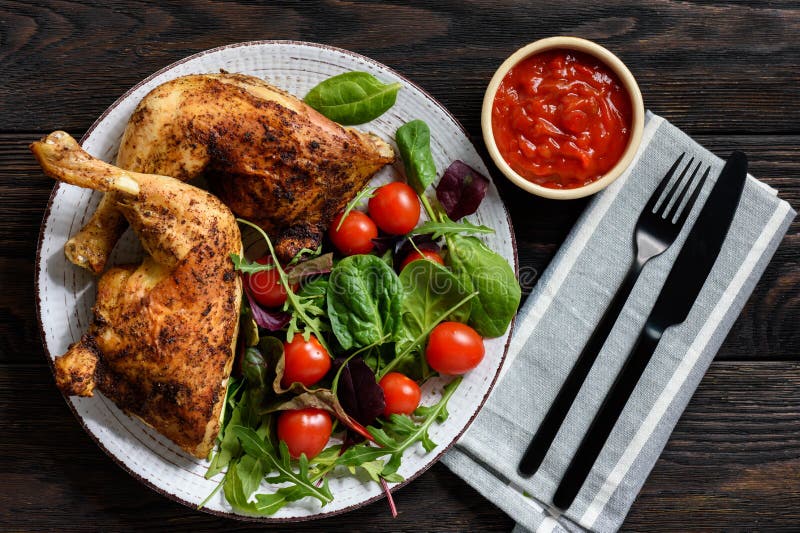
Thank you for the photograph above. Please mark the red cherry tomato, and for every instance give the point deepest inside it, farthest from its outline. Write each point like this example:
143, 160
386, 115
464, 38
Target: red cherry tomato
454, 348
395, 208
401, 392
265, 287
415, 255
305, 431
306, 361
356, 234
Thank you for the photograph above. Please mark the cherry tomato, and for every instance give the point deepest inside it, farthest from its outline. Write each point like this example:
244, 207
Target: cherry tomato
454, 348
415, 255
356, 234
265, 286
401, 392
305, 431
306, 361
395, 208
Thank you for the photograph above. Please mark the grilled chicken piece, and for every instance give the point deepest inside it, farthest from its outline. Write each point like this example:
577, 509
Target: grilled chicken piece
162, 341
270, 158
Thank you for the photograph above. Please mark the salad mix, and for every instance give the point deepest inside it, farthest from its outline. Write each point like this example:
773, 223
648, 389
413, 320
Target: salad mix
334, 347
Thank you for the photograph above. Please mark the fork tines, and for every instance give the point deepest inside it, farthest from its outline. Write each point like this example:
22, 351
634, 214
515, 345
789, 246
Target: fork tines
671, 203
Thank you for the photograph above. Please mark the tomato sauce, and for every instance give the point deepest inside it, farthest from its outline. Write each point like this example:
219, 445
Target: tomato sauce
561, 119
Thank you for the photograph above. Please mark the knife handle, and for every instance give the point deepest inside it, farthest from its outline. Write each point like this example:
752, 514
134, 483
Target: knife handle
560, 407
605, 419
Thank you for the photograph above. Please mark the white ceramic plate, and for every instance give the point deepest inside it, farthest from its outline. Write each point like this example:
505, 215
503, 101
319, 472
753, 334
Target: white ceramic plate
66, 293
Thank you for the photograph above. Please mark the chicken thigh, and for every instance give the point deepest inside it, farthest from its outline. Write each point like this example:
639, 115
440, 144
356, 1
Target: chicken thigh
269, 157
162, 341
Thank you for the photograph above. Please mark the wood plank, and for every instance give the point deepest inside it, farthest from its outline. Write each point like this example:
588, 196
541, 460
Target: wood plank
767, 328
65, 62
732, 463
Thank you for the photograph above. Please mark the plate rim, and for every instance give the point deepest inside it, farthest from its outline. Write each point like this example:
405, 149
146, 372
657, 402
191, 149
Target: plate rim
175, 497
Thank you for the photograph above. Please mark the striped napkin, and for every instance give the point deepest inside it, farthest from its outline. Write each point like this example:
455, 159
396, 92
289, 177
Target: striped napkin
560, 315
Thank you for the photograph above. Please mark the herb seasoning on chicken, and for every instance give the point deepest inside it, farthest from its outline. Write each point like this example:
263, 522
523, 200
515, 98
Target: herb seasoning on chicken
268, 156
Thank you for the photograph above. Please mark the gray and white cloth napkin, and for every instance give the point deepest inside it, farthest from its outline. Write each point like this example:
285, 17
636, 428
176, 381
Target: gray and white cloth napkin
560, 315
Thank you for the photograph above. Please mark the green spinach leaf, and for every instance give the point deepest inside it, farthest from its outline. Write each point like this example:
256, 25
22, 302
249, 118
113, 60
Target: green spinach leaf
364, 297
353, 97
414, 141
431, 294
486, 272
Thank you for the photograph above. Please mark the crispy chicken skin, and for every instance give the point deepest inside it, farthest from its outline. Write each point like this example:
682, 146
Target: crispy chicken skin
162, 341
268, 156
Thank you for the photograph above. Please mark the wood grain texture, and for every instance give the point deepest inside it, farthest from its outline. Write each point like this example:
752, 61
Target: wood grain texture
727, 73
667, 44
740, 438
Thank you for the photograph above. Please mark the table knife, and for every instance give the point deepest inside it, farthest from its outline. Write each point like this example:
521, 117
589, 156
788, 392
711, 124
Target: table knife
677, 296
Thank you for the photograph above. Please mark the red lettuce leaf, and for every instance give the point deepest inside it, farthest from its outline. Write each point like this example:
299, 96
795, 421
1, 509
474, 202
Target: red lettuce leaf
269, 319
461, 190
358, 392
310, 267
272, 352
385, 242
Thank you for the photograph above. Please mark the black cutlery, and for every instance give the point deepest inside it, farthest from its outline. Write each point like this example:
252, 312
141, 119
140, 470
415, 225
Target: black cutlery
677, 296
655, 231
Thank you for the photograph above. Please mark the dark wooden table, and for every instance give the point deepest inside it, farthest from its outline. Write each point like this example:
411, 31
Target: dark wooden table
727, 74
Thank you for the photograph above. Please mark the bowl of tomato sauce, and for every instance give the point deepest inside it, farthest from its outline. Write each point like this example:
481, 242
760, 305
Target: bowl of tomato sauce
562, 117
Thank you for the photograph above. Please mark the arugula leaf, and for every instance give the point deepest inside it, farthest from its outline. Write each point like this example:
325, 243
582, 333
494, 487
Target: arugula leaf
250, 472
244, 266
448, 227
296, 272
233, 488
269, 504
305, 255
398, 433
263, 450
352, 98
372, 468
228, 445
364, 194
414, 141
305, 314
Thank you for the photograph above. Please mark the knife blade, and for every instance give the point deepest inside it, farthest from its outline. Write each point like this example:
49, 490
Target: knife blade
676, 299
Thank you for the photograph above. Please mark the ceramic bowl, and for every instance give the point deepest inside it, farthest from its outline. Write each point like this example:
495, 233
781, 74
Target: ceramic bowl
626, 79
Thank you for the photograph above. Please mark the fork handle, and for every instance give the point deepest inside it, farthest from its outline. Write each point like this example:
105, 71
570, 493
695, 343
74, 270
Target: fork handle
606, 418
555, 416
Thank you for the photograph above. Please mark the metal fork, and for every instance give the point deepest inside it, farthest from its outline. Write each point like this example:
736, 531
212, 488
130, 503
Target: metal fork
659, 224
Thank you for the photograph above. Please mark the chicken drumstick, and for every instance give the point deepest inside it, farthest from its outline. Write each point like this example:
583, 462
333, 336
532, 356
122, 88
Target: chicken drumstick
162, 341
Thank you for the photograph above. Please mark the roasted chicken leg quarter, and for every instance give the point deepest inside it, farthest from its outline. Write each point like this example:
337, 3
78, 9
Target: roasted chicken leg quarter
162, 341
271, 158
